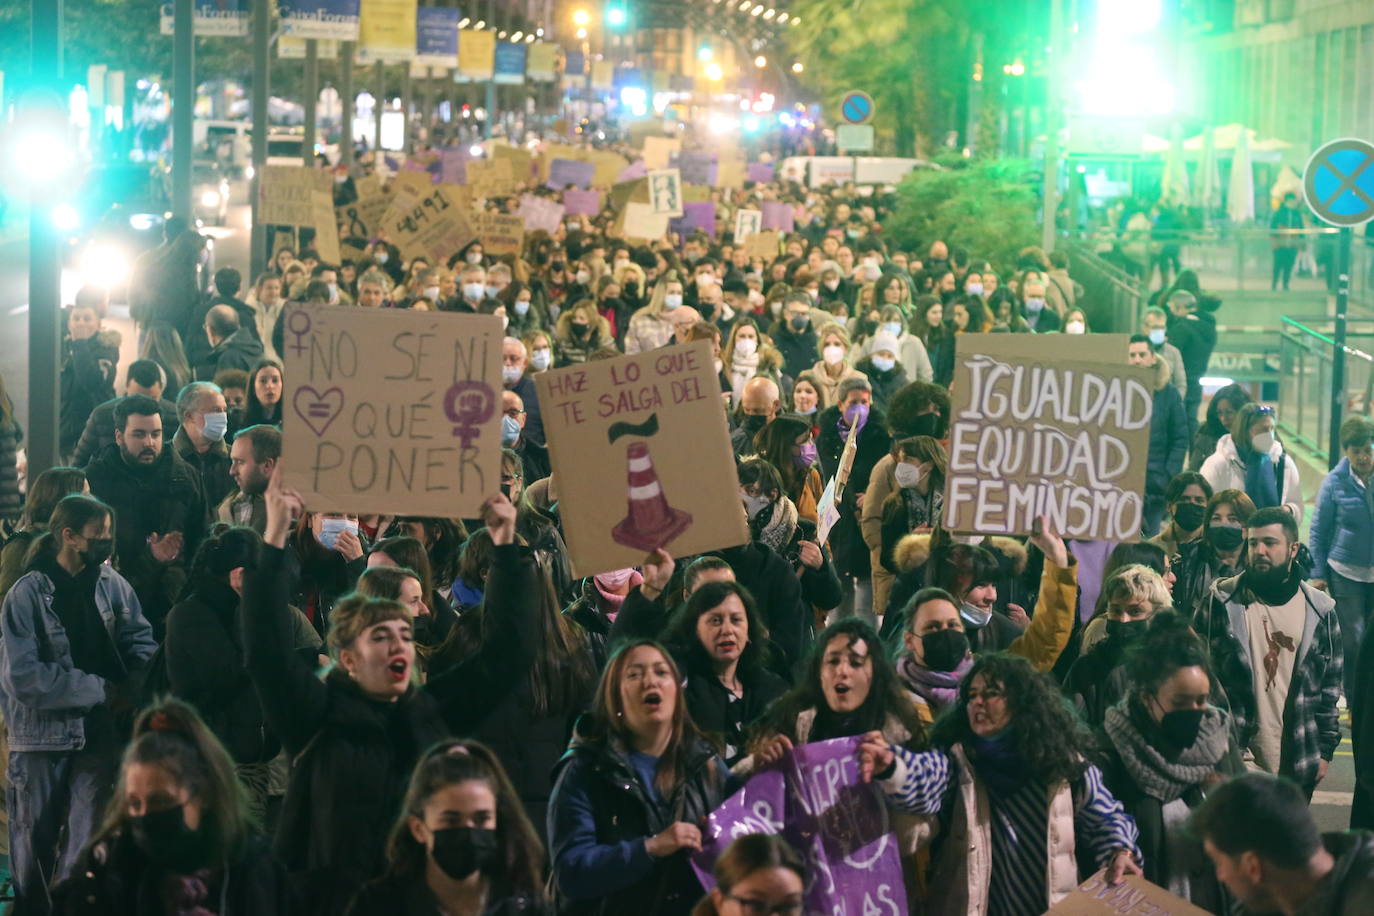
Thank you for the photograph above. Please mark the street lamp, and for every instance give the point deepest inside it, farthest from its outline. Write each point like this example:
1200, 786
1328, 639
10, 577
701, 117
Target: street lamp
760, 62
713, 72
581, 18
797, 67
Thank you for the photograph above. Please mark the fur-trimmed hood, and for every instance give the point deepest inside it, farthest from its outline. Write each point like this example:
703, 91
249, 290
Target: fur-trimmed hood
913, 551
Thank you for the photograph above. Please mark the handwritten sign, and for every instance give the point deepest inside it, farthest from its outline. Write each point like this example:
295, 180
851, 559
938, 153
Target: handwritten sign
1062, 432
640, 223
730, 173
570, 172
433, 226
392, 412
838, 825
763, 245
1132, 897
778, 215
540, 213
521, 160
651, 427
326, 226
665, 192
287, 194
659, 151
747, 222
582, 202
501, 233
490, 177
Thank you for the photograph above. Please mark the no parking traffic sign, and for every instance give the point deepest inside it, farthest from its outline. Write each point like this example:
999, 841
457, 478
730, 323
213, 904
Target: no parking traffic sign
856, 107
1339, 182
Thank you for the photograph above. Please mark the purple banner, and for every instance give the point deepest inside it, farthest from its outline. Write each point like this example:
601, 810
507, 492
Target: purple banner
700, 215
453, 166
564, 172
777, 215
838, 825
588, 202
636, 169
697, 167
760, 172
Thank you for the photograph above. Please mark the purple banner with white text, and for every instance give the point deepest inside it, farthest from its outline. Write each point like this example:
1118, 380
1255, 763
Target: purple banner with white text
813, 798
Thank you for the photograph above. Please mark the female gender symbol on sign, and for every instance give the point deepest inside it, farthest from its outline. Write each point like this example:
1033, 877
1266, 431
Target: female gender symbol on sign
856, 107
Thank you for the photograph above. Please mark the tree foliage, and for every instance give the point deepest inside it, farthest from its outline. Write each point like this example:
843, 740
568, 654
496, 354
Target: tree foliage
987, 207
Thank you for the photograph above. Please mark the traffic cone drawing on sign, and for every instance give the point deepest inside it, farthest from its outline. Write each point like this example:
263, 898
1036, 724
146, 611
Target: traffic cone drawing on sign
651, 522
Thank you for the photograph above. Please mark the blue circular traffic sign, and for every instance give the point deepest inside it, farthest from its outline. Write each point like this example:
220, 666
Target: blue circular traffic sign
856, 107
1339, 182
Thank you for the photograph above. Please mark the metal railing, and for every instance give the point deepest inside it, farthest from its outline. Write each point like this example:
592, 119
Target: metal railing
1306, 349
1112, 299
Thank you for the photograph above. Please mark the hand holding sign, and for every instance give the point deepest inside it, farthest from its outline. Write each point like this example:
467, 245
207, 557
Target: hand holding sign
499, 516
875, 756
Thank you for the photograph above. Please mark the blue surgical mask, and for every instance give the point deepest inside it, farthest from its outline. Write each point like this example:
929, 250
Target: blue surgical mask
1035, 305
522, 307
892, 327
883, 363
493, 290
216, 425
511, 374
672, 300
331, 528
1157, 337
510, 431
381, 257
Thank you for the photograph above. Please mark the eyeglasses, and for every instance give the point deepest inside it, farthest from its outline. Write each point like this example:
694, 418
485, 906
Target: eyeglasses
764, 908
513, 412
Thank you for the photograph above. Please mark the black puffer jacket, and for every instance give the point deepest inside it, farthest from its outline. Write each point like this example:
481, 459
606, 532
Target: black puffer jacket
100, 429
88, 374
353, 754
112, 878
599, 801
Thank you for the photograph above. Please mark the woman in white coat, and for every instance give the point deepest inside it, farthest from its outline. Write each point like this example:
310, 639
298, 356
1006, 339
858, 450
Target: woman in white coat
1250, 458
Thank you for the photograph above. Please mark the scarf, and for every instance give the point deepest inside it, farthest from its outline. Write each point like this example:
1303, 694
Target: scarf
842, 425
1260, 482
775, 525
999, 763
610, 602
1164, 773
938, 688
183, 895
466, 595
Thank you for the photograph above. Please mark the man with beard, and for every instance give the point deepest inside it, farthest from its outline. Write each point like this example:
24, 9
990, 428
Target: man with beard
160, 512
1276, 645
1260, 835
252, 459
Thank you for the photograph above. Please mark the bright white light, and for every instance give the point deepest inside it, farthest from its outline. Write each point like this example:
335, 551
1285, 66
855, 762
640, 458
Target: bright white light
1125, 79
582, 17
481, 24
782, 18
705, 53
1215, 381
760, 62
615, 16
786, 120
65, 217
1127, 17
209, 199
635, 99
529, 39
769, 13
581, 33
41, 156
757, 10
720, 124
713, 72
797, 67
501, 34
248, 173
517, 36
539, 32
104, 266
465, 22
475, 151
750, 124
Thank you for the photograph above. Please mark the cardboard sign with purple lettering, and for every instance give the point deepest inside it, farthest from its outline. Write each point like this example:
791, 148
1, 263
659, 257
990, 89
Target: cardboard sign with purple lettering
1134, 896
777, 215
565, 172
650, 426
582, 202
838, 825
392, 411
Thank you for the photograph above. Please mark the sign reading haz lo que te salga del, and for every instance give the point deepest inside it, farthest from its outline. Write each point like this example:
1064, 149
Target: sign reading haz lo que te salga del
1060, 429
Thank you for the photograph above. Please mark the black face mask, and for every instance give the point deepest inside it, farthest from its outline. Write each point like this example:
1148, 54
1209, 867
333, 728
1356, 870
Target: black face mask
1181, 727
944, 649
799, 323
97, 551
754, 422
928, 424
164, 838
1126, 631
460, 851
581, 330
1225, 537
1188, 516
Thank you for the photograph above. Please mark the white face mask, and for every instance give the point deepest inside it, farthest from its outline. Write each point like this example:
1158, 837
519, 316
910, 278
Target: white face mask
832, 285
753, 505
882, 363
1262, 442
216, 425
755, 297
583, 277
522, 307
974, 289
746, 346
775, 307
1075, 327
833, 354
540, 359
621, 262
473, 291
672, 300
907, 475
431, 293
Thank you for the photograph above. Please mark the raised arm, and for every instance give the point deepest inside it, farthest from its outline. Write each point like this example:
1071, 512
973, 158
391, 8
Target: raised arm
644, 613
1052, 625
293, 699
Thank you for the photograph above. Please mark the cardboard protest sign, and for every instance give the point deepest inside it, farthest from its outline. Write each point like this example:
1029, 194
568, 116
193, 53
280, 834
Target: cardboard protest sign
453, 166
626, 191
697, 166
287, 194
521, 160
1060, 431
1134, 896
434, 226
695, 193
326, 226
665, 192
653, 424
778, 215
412, 180
551, 151
759, 172
639, 223
581, 202
763, 245
490, 177
606, 166
574, 172
658, 151
392, 412
838, 825
501, 233
540, 213
747, 222
730, 173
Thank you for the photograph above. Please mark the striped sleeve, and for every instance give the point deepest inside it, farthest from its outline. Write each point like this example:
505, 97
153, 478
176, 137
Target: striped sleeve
918, 782
1102, 823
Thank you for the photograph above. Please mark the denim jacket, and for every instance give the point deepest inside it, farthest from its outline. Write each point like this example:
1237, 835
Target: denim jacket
44, 698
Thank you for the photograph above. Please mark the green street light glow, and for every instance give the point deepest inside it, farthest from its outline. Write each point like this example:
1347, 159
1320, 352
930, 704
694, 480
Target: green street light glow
1123, 73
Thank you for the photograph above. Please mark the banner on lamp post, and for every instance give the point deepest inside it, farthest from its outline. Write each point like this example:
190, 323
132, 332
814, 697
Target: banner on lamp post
386, 31
476, 54
320, 18
509, 63
436, 36
212, 18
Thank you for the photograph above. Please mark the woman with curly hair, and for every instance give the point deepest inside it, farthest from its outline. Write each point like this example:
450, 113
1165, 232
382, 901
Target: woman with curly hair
1017, 798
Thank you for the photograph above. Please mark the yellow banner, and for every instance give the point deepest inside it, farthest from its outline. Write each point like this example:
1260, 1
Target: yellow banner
476, 54
603, 75
386, 31
542, 63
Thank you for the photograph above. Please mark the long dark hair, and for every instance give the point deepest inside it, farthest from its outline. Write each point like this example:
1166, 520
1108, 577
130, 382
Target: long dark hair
1169, 644
408, 553
224, 550
254, 412
46, 490
682, 629
170, 735
608, 715
775, 443
520, 870
885, 695
72, 513
1039, 711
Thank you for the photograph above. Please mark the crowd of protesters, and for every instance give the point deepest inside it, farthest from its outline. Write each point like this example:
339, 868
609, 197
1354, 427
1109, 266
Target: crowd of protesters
219, 701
